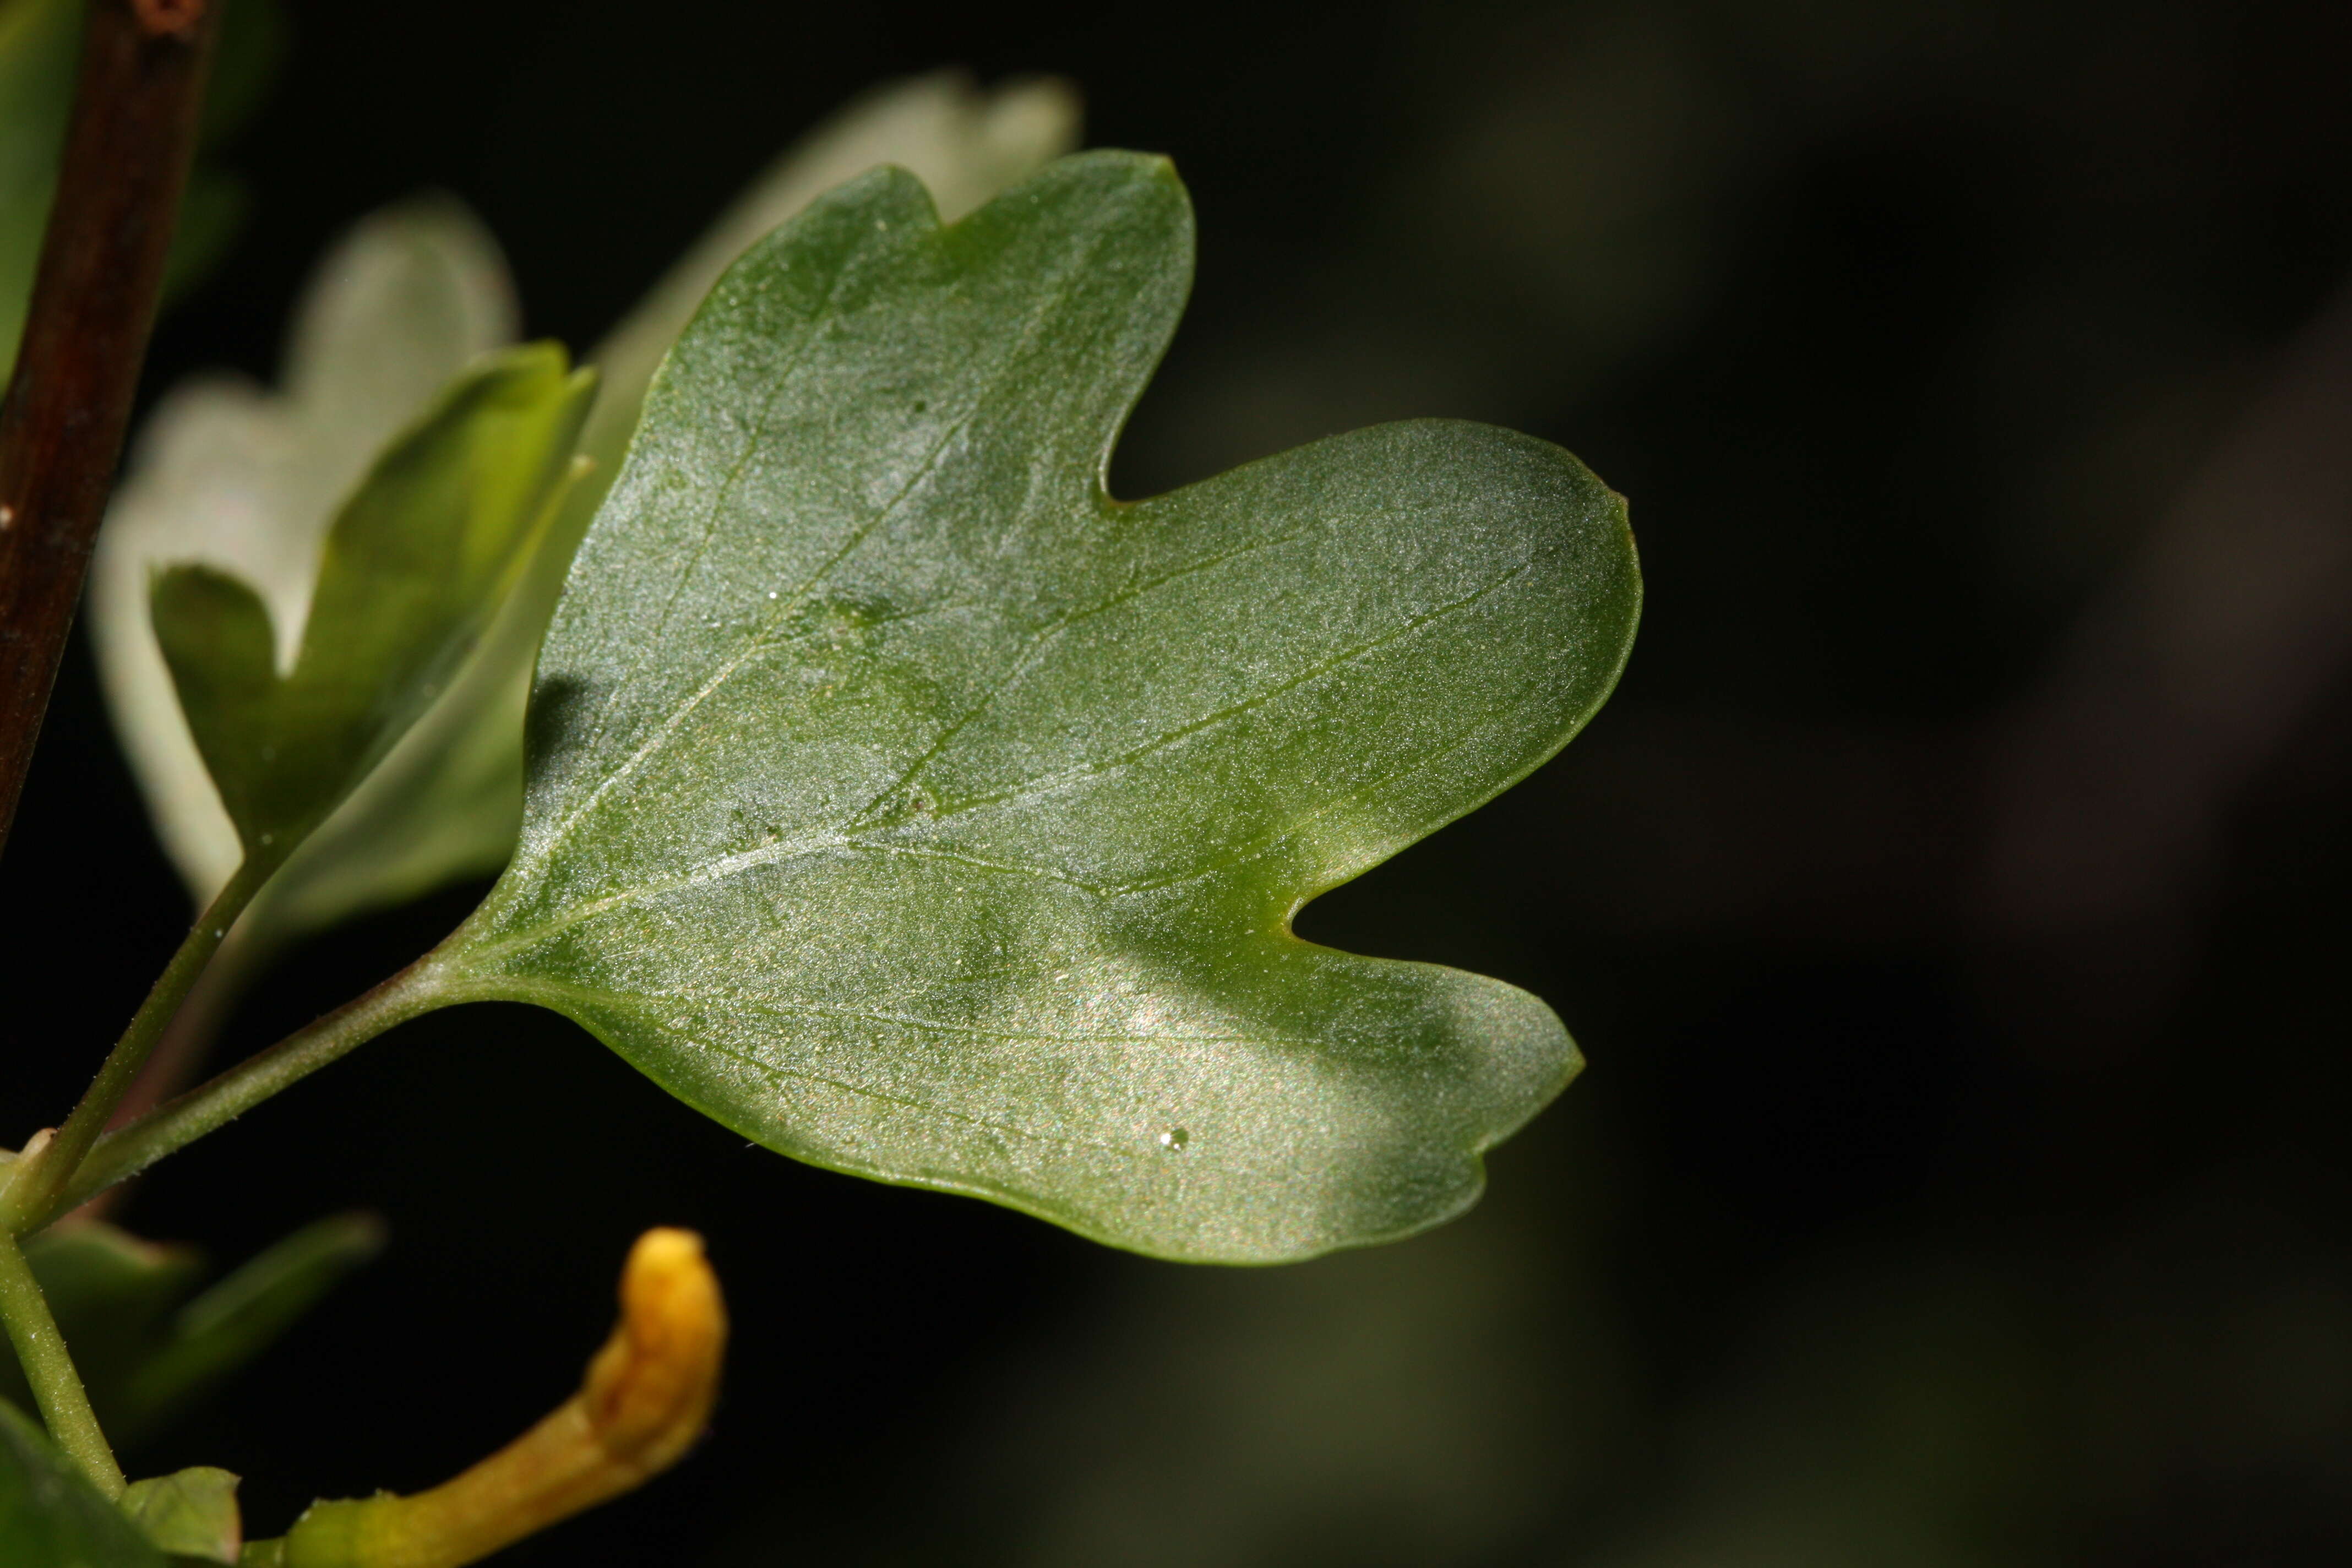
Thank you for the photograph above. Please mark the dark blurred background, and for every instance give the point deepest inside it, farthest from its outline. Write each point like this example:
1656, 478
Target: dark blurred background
1950, 903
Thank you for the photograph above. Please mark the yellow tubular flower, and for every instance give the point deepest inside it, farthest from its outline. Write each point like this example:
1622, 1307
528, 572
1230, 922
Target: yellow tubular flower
645, 1399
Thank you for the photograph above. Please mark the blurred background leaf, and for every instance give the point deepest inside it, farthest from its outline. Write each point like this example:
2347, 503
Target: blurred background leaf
413, 570
247, 482
41, 41
148, 1341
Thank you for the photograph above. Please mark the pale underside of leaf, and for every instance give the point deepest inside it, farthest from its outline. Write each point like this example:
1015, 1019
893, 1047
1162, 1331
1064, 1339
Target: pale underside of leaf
910, 805
248, 481
413, 569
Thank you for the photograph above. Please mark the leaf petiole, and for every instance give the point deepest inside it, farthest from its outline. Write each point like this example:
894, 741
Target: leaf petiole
39, 1179
418, 989
50, 1368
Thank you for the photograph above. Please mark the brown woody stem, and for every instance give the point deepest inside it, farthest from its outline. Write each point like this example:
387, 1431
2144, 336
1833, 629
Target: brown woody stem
126, 160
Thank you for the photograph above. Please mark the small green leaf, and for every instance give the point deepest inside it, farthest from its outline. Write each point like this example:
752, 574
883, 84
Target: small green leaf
107, 1284
910, 805
145, 1349
189, 1513
53, 1518
250, 481
242, 1315
414, 568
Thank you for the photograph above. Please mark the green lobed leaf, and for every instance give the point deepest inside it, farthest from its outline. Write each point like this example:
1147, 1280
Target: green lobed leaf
50, 1515
190, 1514
413, 569
908, 805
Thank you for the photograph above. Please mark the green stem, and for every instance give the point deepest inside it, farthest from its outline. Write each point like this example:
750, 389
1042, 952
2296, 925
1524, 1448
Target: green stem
36, 1181
180, 1050
172, 1126
50, 1368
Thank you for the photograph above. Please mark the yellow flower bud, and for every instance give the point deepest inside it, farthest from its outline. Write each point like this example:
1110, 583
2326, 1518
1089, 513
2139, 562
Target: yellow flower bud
645, 1399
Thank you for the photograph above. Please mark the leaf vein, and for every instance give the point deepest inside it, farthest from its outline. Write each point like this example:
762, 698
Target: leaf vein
1047, 298
1050, 783
817, 323
1034, 653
